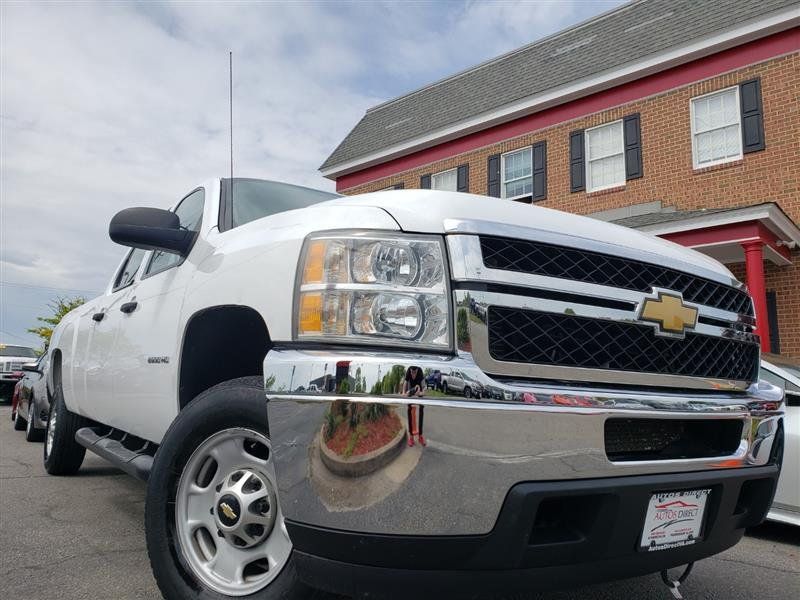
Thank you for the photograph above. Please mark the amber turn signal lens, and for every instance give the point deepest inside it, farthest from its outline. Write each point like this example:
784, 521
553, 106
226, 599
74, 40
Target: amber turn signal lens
310, 313
315, 262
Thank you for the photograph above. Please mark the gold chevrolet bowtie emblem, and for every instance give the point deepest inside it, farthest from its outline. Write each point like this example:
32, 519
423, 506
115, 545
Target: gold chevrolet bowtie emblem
669, 312
227, 510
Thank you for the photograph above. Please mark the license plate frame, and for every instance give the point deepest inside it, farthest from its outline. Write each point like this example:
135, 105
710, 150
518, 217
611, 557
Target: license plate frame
674, 519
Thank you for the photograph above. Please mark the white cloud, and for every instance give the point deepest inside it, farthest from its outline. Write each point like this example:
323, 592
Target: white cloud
104, 106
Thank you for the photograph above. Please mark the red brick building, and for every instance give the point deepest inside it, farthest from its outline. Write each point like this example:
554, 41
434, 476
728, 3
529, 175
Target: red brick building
676, 117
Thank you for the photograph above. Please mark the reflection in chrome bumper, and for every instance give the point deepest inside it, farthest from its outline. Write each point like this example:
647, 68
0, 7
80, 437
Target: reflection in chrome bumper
477, 448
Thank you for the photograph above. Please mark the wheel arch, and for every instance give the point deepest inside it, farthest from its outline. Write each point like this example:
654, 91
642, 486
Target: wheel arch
220, 343
54, 373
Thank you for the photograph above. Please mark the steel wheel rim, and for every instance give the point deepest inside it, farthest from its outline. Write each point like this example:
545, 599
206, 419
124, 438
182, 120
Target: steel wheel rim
232, 542
51, 429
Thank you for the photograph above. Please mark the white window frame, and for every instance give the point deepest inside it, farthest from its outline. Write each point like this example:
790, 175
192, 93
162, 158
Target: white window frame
586, 177
440, 173
503, 181
721, 161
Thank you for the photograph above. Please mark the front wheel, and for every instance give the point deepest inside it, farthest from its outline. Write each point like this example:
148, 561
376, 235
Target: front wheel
62, 454
213, 522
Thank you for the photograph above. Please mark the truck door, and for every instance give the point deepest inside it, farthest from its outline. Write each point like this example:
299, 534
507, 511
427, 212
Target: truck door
97, 332
144, 363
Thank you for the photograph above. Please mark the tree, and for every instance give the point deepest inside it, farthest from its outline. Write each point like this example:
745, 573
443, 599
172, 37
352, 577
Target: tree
59, 307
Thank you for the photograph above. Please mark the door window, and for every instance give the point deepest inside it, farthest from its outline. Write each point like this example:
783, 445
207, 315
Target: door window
190, 216
127, 272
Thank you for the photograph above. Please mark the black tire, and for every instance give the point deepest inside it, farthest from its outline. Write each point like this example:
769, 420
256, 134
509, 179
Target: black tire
231, 404
31, 433
19, 422
467, 392
67, 455
444, 388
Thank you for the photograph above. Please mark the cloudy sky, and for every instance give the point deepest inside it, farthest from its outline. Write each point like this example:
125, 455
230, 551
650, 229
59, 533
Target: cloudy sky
110, 105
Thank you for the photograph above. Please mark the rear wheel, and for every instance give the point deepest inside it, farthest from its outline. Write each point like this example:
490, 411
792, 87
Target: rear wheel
62, 454
213, 522
31, 433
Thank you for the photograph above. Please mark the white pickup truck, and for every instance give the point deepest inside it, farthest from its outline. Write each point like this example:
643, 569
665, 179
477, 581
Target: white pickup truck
247, 360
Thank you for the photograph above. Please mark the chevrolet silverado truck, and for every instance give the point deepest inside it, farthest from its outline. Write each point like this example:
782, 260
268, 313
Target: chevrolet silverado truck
250, 355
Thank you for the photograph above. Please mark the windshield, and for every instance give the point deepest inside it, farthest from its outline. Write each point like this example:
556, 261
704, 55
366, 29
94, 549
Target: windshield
255, 198
17, 351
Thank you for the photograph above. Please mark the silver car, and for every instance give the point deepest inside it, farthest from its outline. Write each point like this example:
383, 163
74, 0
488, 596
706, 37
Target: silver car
785, 373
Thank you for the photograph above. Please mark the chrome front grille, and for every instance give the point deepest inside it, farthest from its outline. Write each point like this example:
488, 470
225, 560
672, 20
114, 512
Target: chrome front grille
526, 256
526, 336
548, 311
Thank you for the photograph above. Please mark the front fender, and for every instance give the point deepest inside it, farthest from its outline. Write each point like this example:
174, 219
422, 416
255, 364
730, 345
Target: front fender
255, 264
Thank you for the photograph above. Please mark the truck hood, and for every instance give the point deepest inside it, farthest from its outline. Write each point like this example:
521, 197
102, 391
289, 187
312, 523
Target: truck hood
429, 211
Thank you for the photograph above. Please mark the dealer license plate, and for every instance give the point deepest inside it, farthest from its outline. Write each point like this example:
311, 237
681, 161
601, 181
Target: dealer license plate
674, 519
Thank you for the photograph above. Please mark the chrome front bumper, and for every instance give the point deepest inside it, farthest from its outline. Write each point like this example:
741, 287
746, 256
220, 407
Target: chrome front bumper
477, 448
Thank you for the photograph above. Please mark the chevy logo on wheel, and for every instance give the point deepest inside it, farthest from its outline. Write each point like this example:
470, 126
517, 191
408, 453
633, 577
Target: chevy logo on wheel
227, 510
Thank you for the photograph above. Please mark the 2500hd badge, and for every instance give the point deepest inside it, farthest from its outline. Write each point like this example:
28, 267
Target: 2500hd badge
586, 423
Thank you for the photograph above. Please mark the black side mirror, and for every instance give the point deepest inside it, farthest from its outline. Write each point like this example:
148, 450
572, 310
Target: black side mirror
150, 229
31, 367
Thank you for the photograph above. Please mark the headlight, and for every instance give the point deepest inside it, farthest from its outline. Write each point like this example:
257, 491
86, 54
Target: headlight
373, 288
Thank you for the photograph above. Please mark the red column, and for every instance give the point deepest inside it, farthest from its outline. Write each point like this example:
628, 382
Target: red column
754, 266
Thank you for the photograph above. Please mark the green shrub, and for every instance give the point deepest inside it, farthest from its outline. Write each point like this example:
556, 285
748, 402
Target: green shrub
462, 326
332, 421
359, 432
375, 412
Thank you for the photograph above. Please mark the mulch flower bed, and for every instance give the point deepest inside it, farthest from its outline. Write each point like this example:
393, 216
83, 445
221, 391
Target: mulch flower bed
367, 436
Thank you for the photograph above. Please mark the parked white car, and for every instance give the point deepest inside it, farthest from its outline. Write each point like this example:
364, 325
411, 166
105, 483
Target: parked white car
626, 433
458, 382
785, 373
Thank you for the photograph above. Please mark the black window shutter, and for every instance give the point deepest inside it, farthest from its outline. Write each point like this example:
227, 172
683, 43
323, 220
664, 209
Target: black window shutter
399, 186
632, 132
462, 178
752, 116
772, 317
577, 166
425, 182
493, 176
539, 170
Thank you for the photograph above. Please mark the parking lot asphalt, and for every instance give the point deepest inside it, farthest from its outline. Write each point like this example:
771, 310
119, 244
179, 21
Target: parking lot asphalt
83, 537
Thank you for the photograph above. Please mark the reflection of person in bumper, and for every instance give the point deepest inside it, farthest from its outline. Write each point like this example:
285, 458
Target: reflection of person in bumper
414, 385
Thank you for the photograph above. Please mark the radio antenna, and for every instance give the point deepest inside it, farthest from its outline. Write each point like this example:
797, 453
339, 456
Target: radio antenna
230, 105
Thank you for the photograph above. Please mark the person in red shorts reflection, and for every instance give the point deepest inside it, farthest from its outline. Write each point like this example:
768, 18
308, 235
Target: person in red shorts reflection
414, 386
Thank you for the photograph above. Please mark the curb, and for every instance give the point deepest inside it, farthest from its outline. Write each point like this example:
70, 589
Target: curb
363, 464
